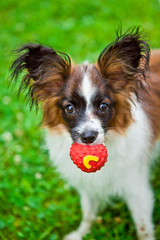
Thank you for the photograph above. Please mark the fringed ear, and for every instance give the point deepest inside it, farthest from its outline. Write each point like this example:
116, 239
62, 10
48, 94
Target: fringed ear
47, 71
124, 63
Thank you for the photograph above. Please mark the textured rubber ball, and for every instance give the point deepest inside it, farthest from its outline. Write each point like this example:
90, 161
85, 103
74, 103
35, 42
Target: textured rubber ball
89, 158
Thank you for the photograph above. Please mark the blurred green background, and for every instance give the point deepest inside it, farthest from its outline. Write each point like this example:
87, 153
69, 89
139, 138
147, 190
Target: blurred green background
34, 202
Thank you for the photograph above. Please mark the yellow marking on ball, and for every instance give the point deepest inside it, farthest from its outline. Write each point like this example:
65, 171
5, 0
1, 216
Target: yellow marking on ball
89, 158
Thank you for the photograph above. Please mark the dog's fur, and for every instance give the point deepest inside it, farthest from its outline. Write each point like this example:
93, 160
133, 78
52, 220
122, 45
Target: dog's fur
115, 101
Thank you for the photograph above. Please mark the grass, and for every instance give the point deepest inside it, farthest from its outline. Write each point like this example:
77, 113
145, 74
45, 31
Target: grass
34, 202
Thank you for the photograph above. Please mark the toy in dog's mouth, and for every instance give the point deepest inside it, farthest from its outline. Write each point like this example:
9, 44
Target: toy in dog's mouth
89, 158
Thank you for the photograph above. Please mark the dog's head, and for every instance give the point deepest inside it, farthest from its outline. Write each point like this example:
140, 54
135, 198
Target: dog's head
87, 99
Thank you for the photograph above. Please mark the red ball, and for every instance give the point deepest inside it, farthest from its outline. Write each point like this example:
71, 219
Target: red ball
89, 158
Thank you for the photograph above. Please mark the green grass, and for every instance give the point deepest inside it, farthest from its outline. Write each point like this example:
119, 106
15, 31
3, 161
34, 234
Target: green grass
34, 202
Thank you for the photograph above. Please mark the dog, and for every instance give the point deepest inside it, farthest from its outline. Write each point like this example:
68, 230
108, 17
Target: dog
115, 101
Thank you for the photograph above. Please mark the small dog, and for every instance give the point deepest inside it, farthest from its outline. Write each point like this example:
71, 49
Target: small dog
115, 101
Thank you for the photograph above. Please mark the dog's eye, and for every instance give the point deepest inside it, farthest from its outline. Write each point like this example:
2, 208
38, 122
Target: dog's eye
69, 109
103, 107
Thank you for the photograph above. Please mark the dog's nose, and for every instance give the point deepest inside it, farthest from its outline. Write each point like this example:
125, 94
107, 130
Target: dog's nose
89, 136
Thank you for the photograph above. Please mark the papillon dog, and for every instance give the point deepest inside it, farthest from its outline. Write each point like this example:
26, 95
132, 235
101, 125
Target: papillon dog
114, 101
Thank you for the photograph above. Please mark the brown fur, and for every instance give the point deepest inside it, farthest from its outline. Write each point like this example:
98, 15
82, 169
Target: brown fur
154, 61
123, 65
74, 80
151, 100
52, 113
47, 71
122, 117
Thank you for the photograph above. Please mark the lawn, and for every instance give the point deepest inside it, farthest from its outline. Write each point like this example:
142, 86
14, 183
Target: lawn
35, 203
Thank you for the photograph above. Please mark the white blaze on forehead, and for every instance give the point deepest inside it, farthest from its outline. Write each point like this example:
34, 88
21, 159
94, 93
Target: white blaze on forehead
87, 89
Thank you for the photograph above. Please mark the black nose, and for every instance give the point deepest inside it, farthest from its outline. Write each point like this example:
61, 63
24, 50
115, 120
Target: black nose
89, 136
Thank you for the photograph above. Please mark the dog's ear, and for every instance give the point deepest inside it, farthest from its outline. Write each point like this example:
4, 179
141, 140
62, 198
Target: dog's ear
124, 62
47, 71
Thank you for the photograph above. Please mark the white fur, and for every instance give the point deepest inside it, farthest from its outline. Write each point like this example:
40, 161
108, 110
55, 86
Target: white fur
91, 122
87, 89
124, 175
